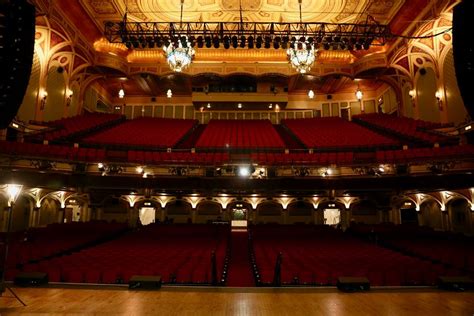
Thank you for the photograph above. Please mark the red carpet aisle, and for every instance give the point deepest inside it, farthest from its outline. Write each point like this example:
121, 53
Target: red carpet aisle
240, 272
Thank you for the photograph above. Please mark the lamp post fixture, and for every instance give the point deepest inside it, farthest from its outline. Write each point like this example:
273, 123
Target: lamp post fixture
13, 191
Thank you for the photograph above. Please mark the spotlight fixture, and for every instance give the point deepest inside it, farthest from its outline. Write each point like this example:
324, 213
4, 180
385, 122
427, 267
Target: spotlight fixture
239, 105
169, 93
121, 93
311, 94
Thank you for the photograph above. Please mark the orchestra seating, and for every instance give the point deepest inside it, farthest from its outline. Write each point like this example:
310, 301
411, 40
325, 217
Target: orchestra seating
240, 134
71, 126
404, 127
334, 133
36, 244
319, 255
180, 254
451, 250
143, 132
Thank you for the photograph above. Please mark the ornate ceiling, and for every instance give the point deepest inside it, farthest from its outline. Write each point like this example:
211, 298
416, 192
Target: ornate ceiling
89, 17
336, 11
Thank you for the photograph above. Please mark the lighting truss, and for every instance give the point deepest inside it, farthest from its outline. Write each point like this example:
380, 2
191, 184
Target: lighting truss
345, 36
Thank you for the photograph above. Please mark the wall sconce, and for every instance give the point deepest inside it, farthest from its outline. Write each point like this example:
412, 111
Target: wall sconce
44, 96
169, 93
311, 94
439, 97
359, 95
121, 93
69, 95
412, 94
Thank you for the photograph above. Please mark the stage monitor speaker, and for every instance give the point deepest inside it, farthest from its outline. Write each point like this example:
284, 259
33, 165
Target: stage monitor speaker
353, 284
455, 283
463, 50
148, 282
31, 278
17, 39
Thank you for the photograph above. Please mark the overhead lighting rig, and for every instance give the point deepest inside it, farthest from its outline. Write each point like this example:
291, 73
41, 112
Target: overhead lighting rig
337, 36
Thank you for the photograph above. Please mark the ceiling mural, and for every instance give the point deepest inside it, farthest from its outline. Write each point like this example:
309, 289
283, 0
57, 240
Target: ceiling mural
329, 11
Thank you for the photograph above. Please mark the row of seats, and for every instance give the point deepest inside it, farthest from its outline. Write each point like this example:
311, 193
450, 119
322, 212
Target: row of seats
318, 256
40, 243
404, 126
144, 131
251, 134
77, 124
150, 157
453, 250
423, 154
340, 158
335, 132
53, 151
180, 254
177, 157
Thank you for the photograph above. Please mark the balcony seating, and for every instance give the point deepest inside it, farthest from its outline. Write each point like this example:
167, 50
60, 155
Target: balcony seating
240, 134
407, 128
144, 132
79, 124
334, 133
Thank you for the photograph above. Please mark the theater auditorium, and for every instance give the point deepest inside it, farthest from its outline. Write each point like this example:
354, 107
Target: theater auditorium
265, 157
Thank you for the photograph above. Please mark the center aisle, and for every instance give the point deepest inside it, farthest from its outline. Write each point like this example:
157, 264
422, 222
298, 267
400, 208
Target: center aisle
240, 271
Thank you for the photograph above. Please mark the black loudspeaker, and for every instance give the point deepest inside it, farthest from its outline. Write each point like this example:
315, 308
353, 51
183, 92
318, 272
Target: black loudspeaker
353, 284
17, 39
402, 169
31, 278
209, 172
329, 96
459, 283
148, 282
271, 173
153, 99
463, 49
422, 71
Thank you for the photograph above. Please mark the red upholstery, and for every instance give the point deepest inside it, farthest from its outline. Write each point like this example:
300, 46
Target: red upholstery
240, 134
403, 126
152, 132
334, 133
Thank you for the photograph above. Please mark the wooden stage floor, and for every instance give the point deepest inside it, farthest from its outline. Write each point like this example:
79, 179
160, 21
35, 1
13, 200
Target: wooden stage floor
235, 301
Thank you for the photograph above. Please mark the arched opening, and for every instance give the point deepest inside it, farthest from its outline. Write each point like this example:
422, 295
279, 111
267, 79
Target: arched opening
408, 213
459, 211
431, 215
300, 213
364, 212
178, 211
269, 212
113, 209
208, 212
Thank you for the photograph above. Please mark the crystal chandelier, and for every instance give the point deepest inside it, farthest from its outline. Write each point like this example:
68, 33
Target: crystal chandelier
179, 54
301, 55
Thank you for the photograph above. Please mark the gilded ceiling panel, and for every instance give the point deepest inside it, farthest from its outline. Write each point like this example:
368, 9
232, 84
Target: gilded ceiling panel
253, 10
